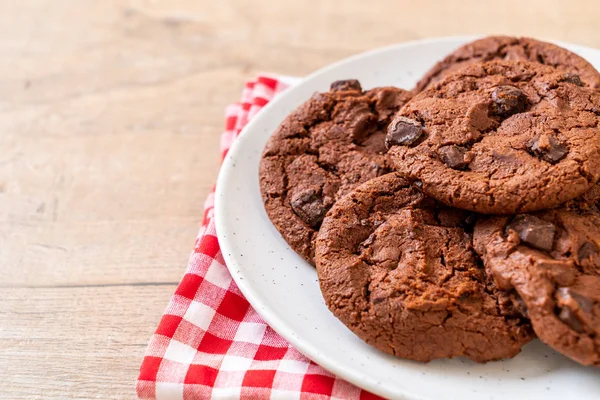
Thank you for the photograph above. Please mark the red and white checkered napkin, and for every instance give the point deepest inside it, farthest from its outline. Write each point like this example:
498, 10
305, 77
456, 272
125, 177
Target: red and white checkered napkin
210, 342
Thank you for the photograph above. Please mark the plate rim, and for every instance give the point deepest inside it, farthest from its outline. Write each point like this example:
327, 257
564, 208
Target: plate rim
263, 310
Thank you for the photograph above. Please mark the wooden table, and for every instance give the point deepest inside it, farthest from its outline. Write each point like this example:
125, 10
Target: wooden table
110, 114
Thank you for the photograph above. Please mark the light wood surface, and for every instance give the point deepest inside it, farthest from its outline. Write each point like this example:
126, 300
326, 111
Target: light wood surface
110, 114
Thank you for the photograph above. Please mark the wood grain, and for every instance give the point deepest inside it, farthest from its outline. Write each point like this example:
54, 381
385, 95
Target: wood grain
110, 117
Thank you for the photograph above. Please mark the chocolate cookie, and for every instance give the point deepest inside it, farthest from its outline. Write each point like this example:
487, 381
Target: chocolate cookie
500, 138
515, 49
552, 259
321, 151
398, 269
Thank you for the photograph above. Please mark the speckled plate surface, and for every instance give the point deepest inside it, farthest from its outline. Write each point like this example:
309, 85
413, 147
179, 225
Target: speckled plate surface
283, 288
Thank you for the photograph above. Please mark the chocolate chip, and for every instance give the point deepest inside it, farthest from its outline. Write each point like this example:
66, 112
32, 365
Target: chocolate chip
362, 126
308, 205
568, 317
376, 169
368, 241
584, 303
587, 250
520, 306
377, 222
548, 148
567, 296
533, 231
453, 156
348, 84
569, 302
508, 100
403, 131
386, 98
572, 78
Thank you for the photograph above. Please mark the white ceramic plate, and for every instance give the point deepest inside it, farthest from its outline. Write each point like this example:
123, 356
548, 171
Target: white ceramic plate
284, 289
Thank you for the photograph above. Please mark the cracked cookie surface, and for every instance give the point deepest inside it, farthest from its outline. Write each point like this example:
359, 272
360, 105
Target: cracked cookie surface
514, 49
552, 259
500, 138
398, 269
321, 151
